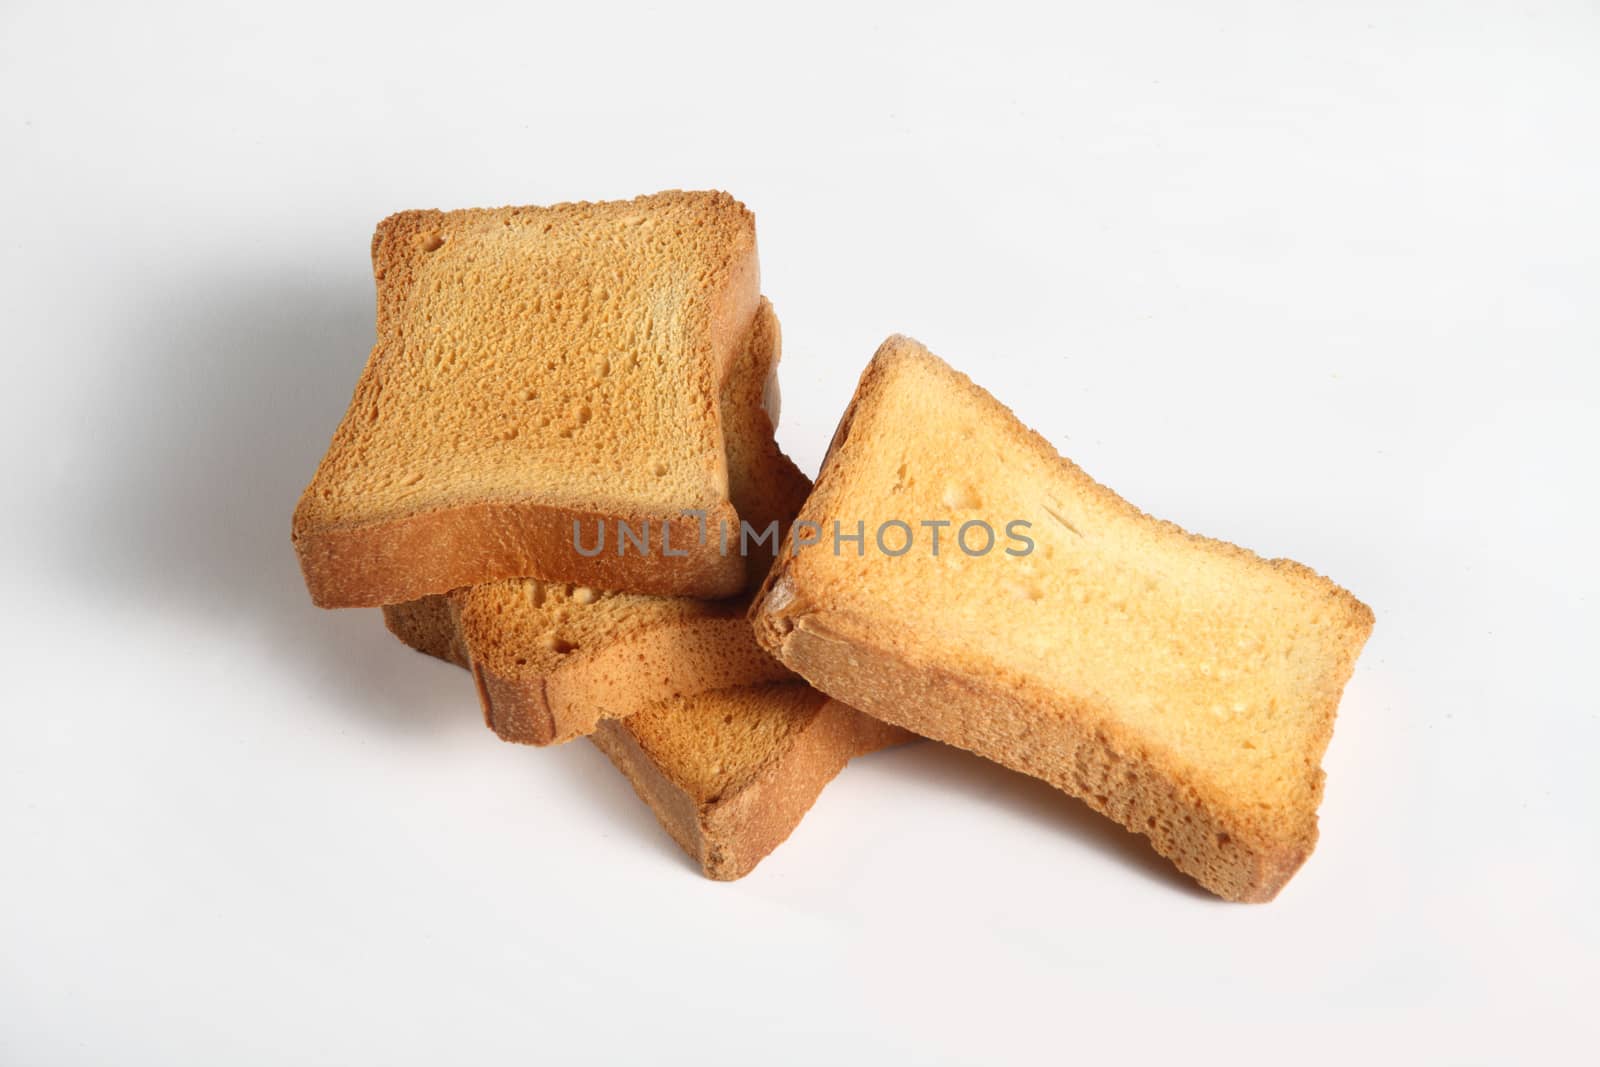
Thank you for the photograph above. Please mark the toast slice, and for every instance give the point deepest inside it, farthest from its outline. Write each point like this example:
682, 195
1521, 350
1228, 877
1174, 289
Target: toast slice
552, 660
536, 368
1180, 685
729, 772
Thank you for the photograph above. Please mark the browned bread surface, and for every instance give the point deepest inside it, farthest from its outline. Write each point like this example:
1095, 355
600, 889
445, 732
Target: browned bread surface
552, 660
763, 483
1183, 686
536, 366
731, 772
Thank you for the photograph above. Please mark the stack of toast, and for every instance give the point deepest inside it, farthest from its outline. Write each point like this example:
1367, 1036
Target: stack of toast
559, 472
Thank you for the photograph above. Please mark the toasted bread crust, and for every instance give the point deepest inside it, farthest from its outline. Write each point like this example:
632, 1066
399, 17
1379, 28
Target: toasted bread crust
355, 556
397, 560
427, 626
1236, 850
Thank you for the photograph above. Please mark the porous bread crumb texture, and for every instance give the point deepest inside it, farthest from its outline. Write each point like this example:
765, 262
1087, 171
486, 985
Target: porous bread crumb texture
535, 365
551, 672
764, 484
544, 652
552, 662
717, 742
1181, 685
729, 772
531, 628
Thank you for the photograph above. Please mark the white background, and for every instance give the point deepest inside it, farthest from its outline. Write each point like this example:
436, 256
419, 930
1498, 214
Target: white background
1321, 279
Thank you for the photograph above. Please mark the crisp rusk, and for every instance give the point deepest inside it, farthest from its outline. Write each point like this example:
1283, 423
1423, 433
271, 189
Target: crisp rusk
537, 368
1180, 685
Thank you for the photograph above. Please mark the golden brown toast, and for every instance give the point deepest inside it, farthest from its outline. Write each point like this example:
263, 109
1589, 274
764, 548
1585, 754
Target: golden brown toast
537, 367
1182, 686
